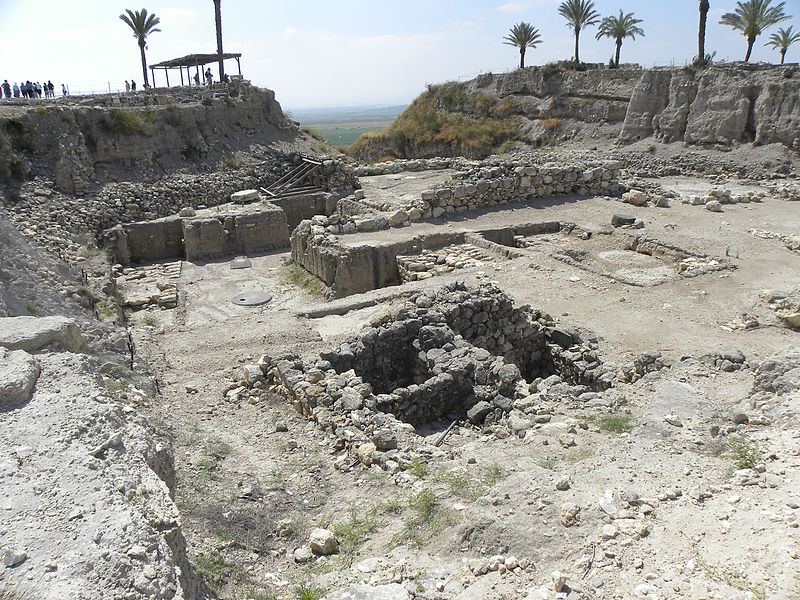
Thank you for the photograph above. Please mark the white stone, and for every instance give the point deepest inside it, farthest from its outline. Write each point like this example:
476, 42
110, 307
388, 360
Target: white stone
18, 374
33, 333
322, 542
244, 196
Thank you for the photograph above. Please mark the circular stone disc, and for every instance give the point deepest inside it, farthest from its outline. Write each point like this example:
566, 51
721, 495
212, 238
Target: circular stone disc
251, 298
241, 262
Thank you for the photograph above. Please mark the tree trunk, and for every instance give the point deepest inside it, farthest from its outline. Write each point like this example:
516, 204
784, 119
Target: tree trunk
145, 78
218, 22
783, 55
522, 58
701, 36
619, 48
750, 42
577, 41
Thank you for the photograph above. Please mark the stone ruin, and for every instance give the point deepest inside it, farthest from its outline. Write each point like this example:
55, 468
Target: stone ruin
456, 354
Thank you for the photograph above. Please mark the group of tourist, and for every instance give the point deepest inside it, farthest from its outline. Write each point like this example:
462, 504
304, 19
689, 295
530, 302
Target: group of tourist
31, 90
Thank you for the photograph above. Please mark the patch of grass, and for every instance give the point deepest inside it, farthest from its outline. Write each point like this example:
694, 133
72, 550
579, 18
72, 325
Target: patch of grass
150, 320
494, 474
424, 504
615, 423
314, 134
230, 163
505, 147
218, 448
116, 385
548, 463
460, 483
207, 467
307, 592
33, 308
651, 148
742, 452
106, 309
417, 467
126, 121
297, 276
213, 568
247, 524
352, 534
428, 520
464, 486
440, 117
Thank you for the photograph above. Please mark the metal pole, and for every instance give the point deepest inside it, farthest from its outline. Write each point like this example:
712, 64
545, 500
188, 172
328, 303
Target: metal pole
239, 64
166, 74
181, 68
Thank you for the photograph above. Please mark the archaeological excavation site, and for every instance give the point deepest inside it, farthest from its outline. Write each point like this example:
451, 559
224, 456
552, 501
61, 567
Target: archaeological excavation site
238, 363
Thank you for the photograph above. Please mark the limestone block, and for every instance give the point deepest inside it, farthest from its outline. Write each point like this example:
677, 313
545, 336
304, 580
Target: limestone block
244, 196
18, 374
33, 333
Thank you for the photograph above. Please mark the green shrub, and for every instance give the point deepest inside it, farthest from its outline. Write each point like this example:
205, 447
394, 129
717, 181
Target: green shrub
213, 568
423, 503
124, 121
306, 592
615, 423
437, 118
742, 452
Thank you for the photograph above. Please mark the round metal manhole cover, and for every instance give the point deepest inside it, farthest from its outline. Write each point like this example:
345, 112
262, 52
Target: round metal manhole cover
241, 262
251, 298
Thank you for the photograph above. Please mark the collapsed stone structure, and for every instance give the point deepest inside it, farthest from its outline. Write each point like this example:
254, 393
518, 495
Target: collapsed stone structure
457, 352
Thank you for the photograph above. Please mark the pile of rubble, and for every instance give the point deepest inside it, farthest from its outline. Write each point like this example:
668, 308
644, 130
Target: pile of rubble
430, 263
786, 306
716, 197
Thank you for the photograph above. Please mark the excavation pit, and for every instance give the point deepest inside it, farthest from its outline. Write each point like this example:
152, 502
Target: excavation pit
451, 353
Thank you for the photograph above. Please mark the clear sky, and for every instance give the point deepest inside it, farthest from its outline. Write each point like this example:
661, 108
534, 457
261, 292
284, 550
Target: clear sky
317, 53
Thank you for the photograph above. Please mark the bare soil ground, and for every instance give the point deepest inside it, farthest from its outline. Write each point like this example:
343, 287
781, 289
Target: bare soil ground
254, 477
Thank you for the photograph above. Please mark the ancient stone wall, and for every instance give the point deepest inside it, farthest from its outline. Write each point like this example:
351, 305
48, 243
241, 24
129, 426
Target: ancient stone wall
455, 352
226, 235
488, 183
256, 228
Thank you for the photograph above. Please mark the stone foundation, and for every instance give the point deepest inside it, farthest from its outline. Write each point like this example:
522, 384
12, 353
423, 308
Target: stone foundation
455, 353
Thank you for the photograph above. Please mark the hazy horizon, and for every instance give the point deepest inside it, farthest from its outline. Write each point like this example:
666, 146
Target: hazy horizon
352, 53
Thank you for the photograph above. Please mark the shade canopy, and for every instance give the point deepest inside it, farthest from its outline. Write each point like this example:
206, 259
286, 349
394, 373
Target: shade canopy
191, 60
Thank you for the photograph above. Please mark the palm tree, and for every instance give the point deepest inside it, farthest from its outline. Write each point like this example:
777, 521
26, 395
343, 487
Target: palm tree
579, 14
218, 23
705, 6
782, 40
142, 25
752, 18
523, 36
619, 28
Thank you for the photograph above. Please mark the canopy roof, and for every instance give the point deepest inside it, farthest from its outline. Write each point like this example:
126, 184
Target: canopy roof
190, 60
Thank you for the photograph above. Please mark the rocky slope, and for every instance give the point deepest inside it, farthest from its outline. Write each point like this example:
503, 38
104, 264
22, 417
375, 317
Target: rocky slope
111, 138
722, 105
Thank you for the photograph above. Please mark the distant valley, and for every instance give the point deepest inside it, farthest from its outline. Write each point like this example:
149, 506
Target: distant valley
341, 126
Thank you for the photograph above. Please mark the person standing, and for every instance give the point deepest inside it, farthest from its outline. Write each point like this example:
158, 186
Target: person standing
209, 77
133, 86
16, 90
197, 79
51, 88
127, 87
6, 89
63, 90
